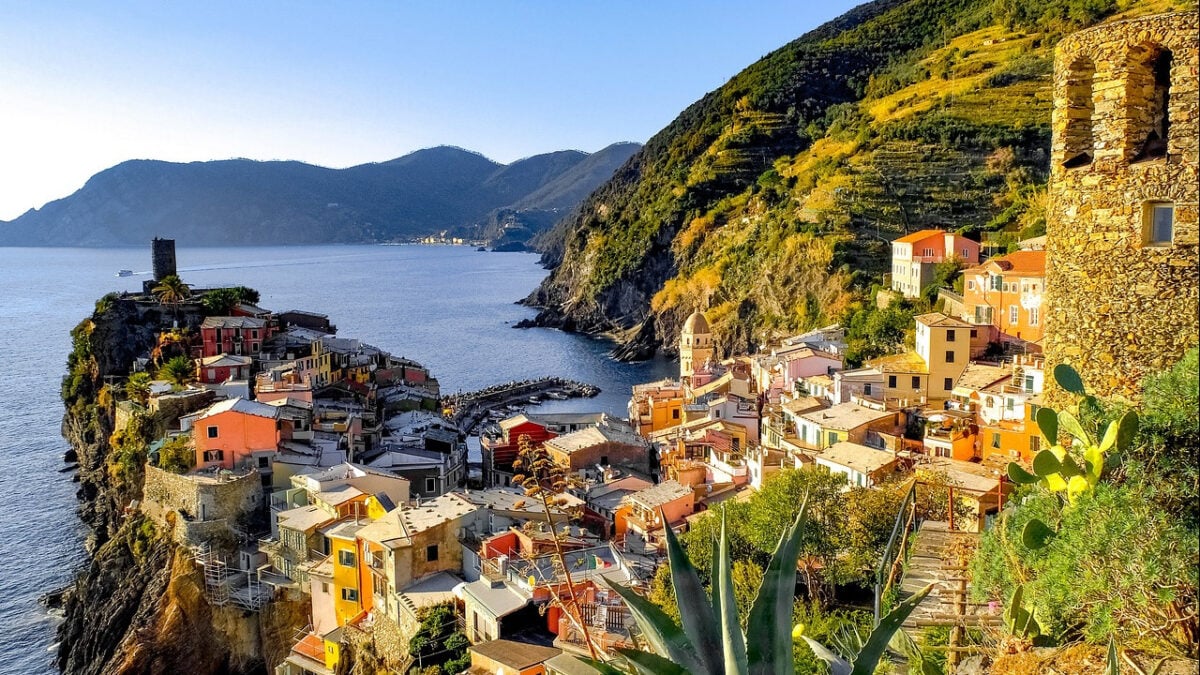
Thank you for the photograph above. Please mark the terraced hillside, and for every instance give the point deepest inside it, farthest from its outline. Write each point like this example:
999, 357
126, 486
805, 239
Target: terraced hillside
770, 202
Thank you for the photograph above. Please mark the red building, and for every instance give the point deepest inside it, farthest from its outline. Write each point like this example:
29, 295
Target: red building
238, 335
224, 367
500, 451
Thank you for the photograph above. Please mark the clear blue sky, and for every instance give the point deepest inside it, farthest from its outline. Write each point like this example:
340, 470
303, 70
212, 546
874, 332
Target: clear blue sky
84, 87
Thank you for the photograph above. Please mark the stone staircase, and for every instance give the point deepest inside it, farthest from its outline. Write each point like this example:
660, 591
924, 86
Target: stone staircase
949, 603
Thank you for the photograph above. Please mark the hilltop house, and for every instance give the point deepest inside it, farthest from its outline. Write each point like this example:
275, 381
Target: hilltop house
237, 433
914, 257
1002, 298
238, 335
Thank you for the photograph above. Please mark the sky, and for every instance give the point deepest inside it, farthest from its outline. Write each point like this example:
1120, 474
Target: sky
87, 85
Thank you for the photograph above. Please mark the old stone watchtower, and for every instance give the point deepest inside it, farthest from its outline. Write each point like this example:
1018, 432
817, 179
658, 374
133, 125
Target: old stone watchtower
1122, 268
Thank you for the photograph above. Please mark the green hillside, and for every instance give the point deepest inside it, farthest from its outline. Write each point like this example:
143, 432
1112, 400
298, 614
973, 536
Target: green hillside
771, 201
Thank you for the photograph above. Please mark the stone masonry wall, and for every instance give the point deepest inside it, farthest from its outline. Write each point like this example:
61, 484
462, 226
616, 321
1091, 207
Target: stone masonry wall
223, 504
1119, 307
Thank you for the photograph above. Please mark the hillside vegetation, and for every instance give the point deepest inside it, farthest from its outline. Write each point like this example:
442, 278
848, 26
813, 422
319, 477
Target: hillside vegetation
771, 201
241, 201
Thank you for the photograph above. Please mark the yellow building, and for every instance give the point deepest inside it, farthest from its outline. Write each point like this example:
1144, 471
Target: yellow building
347, 587
927, 374
656, 406
695, 346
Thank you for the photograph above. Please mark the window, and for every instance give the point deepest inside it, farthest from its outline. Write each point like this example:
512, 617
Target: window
966, 253
431, 552
927, 252
892, 381
996, 440
214, 455
832, 437
1079, 111
1033, 316
948, 384
1029, 383
983, 314
950, 335
1159, 223
212, 432
430, 485
675, 413
325, 587
264, 462
350, 594
997, 282
1012, 314
916, 382
1148, 99
974, 333
867, 389
603, 460
970, 285
1009, 404
949, 356
347, 558
1035, 444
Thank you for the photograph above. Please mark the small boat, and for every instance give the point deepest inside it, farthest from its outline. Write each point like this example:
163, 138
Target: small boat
557, 396
124, 273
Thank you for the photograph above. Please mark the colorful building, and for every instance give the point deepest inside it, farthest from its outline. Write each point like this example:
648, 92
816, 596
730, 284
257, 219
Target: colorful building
238, 335
914, 257
862, 466
1003, 297
656, 406
696, 347
237, 433
223, 367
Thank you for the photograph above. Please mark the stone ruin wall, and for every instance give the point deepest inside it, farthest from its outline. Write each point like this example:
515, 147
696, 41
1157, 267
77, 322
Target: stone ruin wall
225, 504
1118, 308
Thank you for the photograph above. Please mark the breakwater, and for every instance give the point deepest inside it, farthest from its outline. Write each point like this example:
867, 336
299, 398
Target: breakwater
470, 408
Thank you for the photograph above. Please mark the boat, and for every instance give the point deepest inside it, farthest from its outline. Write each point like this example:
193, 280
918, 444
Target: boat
558, 396
124, 273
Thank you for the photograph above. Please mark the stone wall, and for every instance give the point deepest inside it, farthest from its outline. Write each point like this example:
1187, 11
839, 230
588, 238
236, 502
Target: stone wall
199, 509
170, 407
1118, 304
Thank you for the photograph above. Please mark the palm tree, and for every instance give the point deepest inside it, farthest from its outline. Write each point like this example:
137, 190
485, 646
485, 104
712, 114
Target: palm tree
171, 291
137, 387
179, 371
220, 301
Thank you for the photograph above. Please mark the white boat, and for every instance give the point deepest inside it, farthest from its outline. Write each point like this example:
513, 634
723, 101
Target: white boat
124, 273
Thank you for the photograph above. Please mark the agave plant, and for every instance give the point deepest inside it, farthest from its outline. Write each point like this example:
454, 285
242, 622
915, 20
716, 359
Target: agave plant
710, 641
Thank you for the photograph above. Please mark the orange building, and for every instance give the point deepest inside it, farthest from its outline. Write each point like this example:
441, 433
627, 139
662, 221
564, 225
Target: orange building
236, 433
1005, 295
656, 406
914, 256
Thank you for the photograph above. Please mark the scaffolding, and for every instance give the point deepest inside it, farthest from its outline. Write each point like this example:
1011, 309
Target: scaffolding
216, 574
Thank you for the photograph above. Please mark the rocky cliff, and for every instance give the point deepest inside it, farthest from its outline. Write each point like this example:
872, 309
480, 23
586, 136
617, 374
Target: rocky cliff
139, 606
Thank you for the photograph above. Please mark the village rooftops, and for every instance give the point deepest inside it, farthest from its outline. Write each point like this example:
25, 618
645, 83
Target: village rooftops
803, 404
979, 376
241, 405
663, 493
511, 654
970, 476
348, 346
344, 529
302, 312
845, 416
919, 236
233, 322
225, 360
858, 457
907, 362
499, 600
303, 518
593, 436
396, 528
1017, 263
515, 500
860, 374
940, 320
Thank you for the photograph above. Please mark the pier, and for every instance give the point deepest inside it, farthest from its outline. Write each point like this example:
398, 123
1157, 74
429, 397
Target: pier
467, 410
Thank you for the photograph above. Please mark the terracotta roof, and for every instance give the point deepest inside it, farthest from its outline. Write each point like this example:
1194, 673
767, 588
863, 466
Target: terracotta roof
939, 319
241, 405
1018, 263
908, 362
919, 236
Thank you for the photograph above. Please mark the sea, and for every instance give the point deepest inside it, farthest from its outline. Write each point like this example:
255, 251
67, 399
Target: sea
451, 308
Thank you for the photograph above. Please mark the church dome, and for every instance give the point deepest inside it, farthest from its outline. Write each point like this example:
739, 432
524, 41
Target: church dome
696, 324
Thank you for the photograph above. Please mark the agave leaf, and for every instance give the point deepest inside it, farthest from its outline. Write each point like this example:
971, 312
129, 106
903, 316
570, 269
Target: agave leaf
650, 664
731, 632
837, 665
1127, 429
1036, 534
601, 667
868, 658
662, 634
1047, 421
1111, 667
695, 612
1068, 379
1073, 427
768, 651
1045, 463
1019, 475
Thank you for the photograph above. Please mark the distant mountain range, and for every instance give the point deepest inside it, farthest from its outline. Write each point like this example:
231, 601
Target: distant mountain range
239, 201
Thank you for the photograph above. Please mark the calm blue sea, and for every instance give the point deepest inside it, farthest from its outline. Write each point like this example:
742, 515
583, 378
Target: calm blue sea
450, 308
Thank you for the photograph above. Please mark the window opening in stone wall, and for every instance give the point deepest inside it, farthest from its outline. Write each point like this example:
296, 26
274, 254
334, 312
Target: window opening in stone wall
1149, 96
1158, 224
1080, 109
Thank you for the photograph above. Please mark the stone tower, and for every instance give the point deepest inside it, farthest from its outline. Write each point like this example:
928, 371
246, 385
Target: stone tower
162, 255
695, 345
1121, 255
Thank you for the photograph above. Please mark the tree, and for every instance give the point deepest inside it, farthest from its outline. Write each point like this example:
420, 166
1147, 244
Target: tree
171, 291
176, 455
220, 301
137, 388
179, 371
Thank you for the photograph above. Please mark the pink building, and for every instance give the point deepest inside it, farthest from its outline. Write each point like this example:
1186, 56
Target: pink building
237, 433
914, 256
